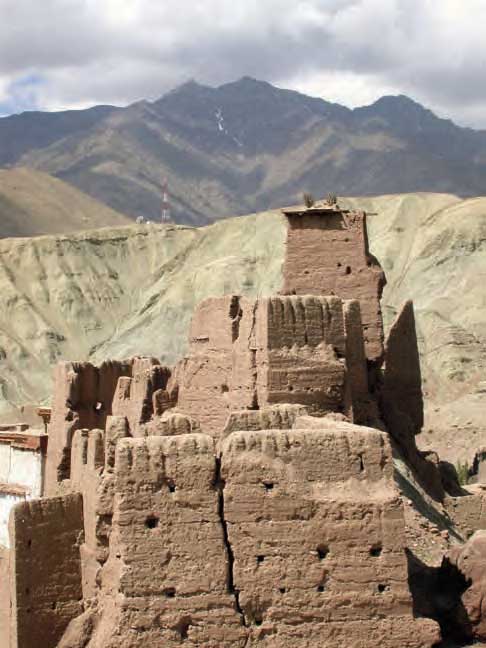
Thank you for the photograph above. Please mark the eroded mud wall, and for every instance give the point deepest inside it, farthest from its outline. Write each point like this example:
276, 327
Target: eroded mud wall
83, 396
316, 528
45, 569
327, 254
249, 354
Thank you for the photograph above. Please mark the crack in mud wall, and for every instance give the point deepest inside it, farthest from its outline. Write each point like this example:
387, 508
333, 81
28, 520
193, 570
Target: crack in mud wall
220, 484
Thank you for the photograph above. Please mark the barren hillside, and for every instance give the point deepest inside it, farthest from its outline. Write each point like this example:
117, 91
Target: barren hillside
122, 291
433, 250
33, 203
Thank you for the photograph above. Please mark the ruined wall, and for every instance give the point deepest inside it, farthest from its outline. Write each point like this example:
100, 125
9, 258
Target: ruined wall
45, 569
92, 475
248, 354
301, 351
167, 581
87, 463
316, 529
401, 395
276, 537
360, 399
208, 508
219, 372
327, 254
292, 538
134, 396
83, 396
22, 463
274, 417
401, 403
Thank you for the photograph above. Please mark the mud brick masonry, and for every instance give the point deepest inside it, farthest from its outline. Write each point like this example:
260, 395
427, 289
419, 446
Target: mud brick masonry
246, 496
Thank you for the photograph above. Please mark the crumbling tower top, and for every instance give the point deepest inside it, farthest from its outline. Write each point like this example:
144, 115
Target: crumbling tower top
327, 254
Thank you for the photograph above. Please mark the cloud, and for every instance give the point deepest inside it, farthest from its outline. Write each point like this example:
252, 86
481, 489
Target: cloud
81, 52
20, 94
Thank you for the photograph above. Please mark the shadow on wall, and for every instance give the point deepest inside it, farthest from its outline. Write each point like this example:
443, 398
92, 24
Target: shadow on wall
436, 594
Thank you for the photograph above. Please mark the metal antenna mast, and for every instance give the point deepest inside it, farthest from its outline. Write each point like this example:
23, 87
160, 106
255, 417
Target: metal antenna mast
165, 215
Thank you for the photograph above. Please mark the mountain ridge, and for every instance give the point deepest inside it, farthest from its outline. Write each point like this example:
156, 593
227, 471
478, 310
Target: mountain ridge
246, 146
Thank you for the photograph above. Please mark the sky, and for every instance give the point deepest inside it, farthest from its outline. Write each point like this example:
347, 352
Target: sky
61, 54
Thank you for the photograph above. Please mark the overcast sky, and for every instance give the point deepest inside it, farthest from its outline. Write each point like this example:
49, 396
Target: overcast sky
57, 54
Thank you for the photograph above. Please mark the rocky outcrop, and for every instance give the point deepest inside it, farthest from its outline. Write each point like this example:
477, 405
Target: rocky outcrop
470, 563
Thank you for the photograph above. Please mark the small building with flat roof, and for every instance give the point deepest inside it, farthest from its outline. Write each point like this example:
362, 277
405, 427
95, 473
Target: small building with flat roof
22, 463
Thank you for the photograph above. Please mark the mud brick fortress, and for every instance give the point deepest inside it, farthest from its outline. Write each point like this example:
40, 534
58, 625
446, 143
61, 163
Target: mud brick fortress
247, 496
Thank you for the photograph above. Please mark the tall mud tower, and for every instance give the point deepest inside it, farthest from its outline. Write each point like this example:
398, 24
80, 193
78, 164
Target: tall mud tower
327, 254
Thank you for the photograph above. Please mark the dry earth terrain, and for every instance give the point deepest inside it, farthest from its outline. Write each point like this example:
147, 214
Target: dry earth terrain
120, 291
33, 203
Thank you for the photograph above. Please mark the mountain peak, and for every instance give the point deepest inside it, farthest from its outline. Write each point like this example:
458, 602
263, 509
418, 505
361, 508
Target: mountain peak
403, 115
191, 85
399, 103
398, 100
251, 81
249, 86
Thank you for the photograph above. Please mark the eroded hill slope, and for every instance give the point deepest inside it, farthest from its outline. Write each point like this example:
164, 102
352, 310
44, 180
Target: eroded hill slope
34, 203
123, 291
116, 292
